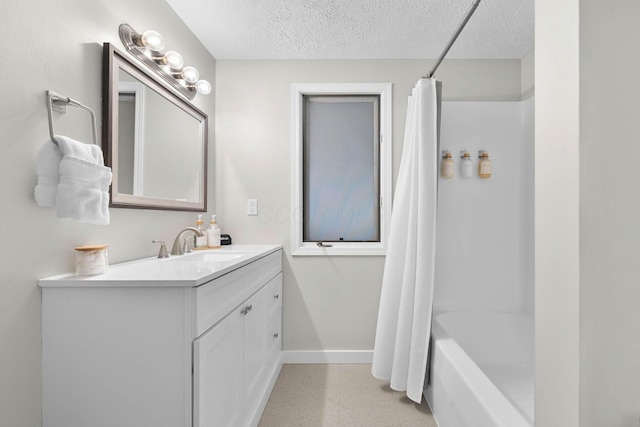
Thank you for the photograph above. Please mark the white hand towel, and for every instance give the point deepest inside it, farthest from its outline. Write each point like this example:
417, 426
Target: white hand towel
47, 164
89, 152
83, 191
84, 183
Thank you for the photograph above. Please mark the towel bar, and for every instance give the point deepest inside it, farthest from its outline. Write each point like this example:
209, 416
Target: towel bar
59, 103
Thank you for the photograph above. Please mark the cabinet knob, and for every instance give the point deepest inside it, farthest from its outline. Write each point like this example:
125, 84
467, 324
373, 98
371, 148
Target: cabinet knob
246, 309
275, 336
276, 296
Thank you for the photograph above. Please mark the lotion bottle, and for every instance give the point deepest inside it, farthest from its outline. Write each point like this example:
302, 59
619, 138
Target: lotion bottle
213, 234
201, 242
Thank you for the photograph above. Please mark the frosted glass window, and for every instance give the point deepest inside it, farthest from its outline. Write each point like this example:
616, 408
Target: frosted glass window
341, 168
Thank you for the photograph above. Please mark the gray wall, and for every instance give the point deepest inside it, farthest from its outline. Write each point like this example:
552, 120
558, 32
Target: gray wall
329, 303
587, 205
557, 219
57, 46
609, 212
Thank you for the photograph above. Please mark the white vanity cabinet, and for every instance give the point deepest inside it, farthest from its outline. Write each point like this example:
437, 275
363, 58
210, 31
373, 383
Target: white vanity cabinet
233, 361
196, 343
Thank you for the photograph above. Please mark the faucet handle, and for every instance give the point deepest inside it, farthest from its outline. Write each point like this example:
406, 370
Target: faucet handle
163, 249
186, 247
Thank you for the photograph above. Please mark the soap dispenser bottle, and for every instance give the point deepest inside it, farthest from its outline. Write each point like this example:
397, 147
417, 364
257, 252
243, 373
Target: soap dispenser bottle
466, 165
484, 165
213, 233
201, 241
446, 167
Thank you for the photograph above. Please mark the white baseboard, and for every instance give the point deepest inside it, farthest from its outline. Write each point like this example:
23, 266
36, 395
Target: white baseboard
327, 356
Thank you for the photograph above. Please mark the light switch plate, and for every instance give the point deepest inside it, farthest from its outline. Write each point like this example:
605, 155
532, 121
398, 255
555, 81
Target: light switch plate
252, 207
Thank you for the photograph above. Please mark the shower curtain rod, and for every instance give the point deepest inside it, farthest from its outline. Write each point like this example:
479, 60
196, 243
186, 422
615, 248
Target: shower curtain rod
472, 9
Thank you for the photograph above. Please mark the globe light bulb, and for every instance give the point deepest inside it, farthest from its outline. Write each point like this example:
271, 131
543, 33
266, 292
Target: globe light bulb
173, 59
152, 40
203, 87
190, 75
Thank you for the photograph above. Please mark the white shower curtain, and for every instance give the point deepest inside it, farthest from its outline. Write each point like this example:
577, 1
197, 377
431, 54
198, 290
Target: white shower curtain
404, 318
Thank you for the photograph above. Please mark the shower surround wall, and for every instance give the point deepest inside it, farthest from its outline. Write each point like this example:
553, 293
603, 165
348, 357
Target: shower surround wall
483, 354
484, 243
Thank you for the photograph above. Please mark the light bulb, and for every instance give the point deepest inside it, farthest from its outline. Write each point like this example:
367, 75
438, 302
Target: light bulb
203, 87
152, 40
190, 75
173, 59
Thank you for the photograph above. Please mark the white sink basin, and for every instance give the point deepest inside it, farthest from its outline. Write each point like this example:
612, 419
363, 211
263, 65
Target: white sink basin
209, 256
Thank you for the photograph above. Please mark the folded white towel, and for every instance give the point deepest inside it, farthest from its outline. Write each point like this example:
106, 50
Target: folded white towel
83, 191
72, 177
47, 164
72, 148
84, 183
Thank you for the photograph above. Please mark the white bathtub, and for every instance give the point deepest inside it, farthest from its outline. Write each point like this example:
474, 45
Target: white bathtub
482, 370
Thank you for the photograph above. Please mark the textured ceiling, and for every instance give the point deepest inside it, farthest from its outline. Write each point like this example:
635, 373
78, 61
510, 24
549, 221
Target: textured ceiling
358, 29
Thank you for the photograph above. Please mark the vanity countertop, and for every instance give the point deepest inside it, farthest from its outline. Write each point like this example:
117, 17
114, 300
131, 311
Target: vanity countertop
193, 269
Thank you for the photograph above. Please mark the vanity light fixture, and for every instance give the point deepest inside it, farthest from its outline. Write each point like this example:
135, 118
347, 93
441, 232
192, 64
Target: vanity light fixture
151, 39
190, 75
203, 87
174, 60
148, 48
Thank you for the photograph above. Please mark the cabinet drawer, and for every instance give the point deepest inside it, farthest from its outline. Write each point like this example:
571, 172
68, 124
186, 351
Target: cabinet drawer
217, 298
274, 295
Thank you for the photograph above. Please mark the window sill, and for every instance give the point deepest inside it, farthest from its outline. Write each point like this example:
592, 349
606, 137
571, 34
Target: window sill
339, 249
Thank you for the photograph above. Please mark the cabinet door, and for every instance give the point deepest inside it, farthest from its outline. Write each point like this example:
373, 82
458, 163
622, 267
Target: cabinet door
274, 332
255, 348
274, 341
217, 377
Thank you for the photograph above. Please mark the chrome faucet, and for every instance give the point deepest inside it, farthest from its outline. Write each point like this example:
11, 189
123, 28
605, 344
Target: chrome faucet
181, 245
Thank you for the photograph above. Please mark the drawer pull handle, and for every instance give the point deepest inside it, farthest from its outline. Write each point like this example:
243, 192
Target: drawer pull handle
246, 310
275, 336
276, 296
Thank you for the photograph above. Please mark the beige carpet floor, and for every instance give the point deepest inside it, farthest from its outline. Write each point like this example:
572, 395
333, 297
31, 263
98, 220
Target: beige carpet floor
339, 396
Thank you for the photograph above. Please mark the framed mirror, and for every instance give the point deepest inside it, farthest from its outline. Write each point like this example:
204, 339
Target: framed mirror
154, 140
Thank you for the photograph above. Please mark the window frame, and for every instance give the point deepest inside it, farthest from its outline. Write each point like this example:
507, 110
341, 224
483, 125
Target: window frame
298, 92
